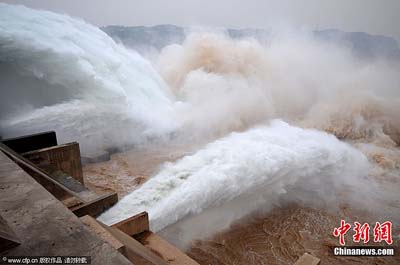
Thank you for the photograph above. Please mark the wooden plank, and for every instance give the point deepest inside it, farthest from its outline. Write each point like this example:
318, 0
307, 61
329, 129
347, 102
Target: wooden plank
39, 173
97, 206
59, 192
133, 248
31, 142
65, 157
102, 232
72, 188
8, 239
164, 249
134, 225
60, 184
63, 178
307, 259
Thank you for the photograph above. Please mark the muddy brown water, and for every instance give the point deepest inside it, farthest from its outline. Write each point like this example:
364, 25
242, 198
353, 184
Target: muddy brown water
280, 236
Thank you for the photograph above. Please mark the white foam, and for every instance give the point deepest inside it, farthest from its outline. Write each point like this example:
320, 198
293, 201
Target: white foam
82, 63
78, 81
258, 166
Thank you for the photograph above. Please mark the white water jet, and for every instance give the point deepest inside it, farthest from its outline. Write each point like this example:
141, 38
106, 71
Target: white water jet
258, 167
62, 73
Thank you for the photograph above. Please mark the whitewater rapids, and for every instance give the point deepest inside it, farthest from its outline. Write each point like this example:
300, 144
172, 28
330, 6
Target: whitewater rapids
247, 170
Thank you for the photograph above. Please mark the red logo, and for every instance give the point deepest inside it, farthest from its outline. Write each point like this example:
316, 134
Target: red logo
341, 231
362, 232
382, 232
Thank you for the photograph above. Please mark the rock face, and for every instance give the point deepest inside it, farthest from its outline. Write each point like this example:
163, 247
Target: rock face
363, 45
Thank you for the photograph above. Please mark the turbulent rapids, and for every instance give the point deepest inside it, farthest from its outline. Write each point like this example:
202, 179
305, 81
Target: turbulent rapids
246, 171
64, 74
295, 121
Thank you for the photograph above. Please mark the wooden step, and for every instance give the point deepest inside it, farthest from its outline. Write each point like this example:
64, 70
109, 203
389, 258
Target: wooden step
128, 246
164, 249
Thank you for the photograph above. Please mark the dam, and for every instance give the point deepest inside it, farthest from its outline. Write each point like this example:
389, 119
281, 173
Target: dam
219, 147
46, 210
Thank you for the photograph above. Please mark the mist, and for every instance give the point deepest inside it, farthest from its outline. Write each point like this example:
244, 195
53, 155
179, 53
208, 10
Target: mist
294, 119
223, 85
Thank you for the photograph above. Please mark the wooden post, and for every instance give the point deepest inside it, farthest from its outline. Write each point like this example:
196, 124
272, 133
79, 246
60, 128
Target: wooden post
134, 225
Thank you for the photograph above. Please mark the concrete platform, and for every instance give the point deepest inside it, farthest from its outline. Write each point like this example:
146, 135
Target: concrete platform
43, 224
